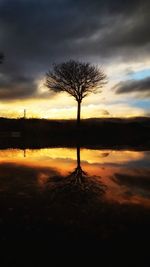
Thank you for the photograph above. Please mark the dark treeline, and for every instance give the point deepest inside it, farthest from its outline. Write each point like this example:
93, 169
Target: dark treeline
109, 132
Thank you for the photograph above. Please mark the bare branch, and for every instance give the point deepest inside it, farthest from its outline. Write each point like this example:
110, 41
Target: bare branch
76, 78
1, 58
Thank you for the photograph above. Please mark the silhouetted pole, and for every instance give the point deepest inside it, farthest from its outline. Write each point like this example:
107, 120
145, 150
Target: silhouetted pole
24, 113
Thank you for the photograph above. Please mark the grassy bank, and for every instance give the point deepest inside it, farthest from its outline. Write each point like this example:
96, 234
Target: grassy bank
93, 132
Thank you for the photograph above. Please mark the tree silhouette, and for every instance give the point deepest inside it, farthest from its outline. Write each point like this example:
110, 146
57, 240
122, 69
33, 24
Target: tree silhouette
1, 58
77, 186
78, 79
80, 180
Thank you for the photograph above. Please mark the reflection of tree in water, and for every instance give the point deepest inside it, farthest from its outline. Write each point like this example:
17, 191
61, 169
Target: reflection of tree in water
77, 186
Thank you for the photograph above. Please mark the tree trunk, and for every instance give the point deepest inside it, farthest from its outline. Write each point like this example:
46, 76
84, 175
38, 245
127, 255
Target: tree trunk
78, 156
78, 113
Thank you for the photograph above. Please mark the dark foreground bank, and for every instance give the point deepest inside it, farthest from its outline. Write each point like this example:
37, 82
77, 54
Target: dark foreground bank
70, 227
36, 133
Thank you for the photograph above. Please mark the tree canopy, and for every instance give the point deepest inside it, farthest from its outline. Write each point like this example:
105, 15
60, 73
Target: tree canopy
77, 78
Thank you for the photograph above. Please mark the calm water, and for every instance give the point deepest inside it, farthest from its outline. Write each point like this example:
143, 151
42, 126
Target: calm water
125, 175
73, 196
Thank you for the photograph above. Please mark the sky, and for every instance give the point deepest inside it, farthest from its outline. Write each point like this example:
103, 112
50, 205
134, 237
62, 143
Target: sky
114, 35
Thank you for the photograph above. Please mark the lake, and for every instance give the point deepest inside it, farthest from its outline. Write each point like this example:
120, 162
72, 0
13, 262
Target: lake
61, 198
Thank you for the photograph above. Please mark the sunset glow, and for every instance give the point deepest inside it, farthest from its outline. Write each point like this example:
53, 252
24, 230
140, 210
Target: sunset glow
64, 107
103, 164
74, 132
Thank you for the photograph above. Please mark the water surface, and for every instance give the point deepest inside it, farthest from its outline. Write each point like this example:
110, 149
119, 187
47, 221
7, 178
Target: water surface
125, 174
57, 199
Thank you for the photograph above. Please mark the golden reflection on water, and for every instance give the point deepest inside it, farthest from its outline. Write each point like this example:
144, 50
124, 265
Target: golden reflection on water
119, 171
89, 155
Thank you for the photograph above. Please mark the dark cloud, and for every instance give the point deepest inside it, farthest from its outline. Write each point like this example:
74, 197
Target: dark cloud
105, 112
136, 184
147, 114
16, 87
33, 34
142, 87
15, 178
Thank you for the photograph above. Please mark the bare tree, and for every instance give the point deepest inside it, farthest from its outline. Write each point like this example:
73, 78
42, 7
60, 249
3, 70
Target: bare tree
77, 185
78, 79
1, 58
